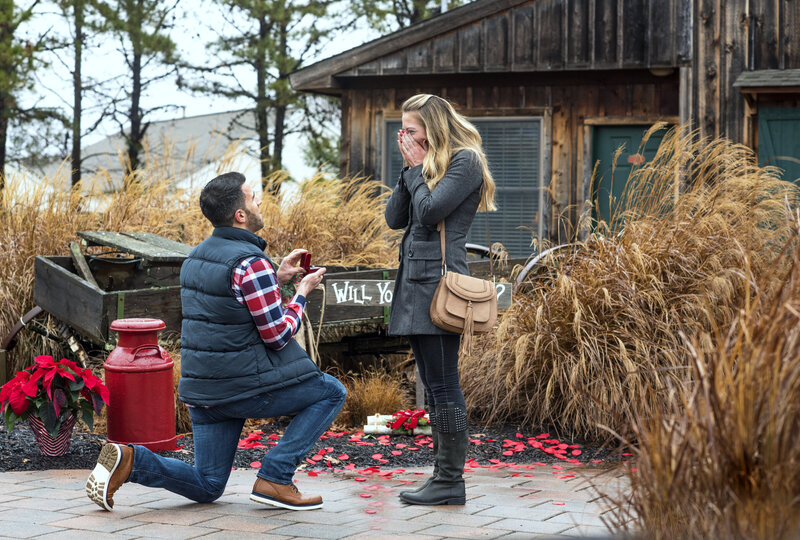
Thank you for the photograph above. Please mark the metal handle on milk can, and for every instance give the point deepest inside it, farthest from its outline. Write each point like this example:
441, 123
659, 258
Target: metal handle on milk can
147, 346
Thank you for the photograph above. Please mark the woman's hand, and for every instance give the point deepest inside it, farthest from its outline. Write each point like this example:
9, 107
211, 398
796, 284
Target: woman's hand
290, 266
412, 151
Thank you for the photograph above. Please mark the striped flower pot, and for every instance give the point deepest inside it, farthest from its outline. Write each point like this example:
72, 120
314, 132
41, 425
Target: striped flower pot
48, 445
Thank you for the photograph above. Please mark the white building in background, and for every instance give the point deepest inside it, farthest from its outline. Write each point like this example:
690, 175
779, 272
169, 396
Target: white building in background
192, 150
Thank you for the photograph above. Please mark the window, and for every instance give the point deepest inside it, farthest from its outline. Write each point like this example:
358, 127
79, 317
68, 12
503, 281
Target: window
512, 148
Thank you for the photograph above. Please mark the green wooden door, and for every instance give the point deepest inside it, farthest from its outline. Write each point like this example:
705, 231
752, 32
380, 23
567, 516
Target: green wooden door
608, 192
779, 140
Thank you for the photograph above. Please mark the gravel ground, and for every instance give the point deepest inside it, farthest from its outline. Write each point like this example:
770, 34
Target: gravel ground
488, 445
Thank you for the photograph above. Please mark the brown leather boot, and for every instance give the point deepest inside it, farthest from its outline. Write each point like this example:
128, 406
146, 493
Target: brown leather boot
283, 496
113, 468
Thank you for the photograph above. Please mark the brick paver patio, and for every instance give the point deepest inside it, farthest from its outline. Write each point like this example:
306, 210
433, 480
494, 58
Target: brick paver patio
505, 503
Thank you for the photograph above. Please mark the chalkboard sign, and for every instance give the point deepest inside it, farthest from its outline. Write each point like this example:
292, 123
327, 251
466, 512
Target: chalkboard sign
378, 292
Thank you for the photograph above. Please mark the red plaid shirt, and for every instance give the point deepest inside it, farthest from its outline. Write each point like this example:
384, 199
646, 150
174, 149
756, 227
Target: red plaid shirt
255, 285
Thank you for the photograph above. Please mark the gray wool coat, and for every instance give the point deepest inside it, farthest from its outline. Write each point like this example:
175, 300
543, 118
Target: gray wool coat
414, 207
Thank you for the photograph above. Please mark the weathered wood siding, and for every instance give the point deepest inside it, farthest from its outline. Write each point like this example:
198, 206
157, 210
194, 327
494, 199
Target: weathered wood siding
551, 35
572, 60
731, 37
567, 106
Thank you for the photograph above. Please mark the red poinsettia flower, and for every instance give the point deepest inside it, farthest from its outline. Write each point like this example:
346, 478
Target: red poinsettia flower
52, 391
12, 394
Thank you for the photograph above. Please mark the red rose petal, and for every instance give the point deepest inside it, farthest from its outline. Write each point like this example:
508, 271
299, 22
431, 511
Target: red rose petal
255, 464
508, 453
377, 456
559, 503
360, 479
312, 473
396, 452
317, 457
365, 495
370, 511
343, 457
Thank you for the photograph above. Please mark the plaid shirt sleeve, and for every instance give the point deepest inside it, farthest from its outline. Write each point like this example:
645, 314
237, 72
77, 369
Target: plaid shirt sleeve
255, 285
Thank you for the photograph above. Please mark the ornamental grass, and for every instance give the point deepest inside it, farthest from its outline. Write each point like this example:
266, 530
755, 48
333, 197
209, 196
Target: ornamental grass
600, 335
339, 220
373, 391
719, 458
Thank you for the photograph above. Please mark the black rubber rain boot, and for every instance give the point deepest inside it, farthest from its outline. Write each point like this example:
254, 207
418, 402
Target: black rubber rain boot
435, 437
447, 487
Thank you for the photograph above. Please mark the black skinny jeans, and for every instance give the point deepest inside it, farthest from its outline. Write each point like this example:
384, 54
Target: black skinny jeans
437, 360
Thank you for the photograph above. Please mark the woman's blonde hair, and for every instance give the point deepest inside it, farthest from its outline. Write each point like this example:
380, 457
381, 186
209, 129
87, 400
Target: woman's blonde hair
448, 132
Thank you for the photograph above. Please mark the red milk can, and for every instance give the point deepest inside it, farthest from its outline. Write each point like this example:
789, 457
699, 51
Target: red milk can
139, 380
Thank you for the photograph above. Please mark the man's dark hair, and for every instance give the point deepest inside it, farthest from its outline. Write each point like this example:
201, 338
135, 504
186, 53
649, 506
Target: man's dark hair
222, 197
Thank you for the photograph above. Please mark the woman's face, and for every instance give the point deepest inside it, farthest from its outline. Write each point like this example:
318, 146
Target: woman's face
412, 125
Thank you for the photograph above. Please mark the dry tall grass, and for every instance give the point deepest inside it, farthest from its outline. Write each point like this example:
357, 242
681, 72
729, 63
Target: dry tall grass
720, 460
601, 340
339, 220
374, 391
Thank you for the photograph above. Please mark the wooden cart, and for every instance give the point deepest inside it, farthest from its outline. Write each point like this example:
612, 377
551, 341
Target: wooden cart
137, 275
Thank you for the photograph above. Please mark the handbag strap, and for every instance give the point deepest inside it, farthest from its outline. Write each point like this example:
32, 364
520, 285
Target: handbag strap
440, 226
491, 252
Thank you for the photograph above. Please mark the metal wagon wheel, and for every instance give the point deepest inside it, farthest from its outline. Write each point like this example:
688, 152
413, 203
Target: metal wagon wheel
536, 265
62, 335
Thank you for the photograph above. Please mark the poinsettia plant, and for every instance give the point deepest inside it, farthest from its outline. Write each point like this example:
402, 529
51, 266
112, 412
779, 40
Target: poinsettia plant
52, 391
408, 419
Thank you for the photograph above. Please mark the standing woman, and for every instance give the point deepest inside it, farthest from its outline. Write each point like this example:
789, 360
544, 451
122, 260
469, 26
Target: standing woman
446, 179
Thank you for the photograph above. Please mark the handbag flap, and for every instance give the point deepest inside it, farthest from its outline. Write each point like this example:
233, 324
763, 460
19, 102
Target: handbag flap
457, 308
469, 288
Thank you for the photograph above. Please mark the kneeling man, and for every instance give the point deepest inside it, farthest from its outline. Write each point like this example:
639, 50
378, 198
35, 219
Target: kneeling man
239, 360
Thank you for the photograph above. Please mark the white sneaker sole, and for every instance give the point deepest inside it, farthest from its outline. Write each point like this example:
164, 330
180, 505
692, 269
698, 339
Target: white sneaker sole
97, 484
264, 499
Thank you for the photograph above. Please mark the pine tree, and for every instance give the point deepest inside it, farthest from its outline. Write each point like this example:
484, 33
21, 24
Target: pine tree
390, 15
18, 61
142, 28
263, 41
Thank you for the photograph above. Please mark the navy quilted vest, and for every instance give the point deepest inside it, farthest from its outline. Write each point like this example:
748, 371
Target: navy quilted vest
223, 358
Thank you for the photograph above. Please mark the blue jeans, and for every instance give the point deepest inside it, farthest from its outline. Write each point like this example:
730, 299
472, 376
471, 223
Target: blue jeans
216, 430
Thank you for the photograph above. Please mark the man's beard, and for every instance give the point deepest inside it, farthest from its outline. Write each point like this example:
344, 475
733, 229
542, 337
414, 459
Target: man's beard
254, 221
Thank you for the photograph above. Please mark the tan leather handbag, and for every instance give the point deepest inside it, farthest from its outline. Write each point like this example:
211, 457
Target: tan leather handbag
462, 303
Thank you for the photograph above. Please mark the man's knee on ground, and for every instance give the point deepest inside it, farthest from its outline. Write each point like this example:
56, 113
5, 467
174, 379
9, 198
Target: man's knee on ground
211, 493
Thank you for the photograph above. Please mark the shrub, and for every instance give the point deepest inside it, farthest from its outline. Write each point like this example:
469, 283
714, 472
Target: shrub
602, 338
719, 459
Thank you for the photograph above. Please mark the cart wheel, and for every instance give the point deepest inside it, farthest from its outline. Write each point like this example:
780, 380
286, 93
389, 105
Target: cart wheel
11, 339
63, 335
536, 264
482, 252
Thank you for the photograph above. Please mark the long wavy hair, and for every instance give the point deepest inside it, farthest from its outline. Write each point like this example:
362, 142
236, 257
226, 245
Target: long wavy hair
448, 132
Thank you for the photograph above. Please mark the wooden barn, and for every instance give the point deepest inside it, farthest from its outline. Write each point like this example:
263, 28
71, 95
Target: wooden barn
556, 85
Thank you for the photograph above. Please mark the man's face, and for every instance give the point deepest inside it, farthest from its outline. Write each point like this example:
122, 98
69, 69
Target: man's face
251, 209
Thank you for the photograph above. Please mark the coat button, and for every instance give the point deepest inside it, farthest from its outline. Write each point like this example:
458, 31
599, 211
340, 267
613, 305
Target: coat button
410, 252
